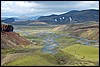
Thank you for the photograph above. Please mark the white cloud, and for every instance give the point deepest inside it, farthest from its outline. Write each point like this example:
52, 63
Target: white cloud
88, 4
19, 7
26, 4
44, 7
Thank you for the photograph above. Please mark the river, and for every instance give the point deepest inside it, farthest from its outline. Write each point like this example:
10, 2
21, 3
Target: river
51, 46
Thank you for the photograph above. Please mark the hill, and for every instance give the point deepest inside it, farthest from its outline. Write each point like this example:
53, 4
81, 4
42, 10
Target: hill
77, 55
83, 52
10, 39
72, 16
89, 30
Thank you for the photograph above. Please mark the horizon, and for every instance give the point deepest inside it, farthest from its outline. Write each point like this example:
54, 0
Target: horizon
45, 15
44, 8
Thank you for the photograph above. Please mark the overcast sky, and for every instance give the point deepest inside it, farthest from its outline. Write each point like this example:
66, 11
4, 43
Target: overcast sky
42, 8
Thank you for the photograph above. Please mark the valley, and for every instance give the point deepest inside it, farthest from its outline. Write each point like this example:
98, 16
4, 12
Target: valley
49, 33
49, 45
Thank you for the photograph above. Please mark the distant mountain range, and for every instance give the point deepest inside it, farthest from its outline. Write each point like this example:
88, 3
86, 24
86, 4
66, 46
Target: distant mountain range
25, 18
8, 20
21, 18
72, 16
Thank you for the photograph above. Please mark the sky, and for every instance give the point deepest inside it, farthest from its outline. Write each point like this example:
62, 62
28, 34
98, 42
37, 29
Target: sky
43, 8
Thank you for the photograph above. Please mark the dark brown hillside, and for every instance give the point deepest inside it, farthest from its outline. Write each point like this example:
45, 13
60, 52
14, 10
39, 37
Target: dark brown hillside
12, 39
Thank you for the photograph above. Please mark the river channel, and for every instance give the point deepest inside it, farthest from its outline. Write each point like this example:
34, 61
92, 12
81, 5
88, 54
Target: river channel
51, 46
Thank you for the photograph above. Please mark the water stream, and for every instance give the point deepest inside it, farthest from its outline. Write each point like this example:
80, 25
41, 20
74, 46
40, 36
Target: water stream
82, 40
51, 46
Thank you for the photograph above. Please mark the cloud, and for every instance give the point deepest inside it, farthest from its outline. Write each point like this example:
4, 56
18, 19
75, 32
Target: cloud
89, 4
18, 8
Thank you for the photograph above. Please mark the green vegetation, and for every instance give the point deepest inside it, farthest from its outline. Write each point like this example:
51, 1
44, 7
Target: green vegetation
41, 59
60, 32
29, 48
88, 53
92, 34
71, 54
33, 59
65, 41
12, 51
8, 51
63, 58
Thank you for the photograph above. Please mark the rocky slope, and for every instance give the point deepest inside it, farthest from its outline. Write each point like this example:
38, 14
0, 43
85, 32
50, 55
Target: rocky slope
89, 31
11, 39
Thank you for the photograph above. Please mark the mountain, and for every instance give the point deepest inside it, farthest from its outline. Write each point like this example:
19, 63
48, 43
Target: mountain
8, 20
12, 39
20, 18
25, 18
72, 17
3, 18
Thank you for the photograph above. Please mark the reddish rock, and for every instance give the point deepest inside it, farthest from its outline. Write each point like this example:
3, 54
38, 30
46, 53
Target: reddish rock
12, 39
7, 28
